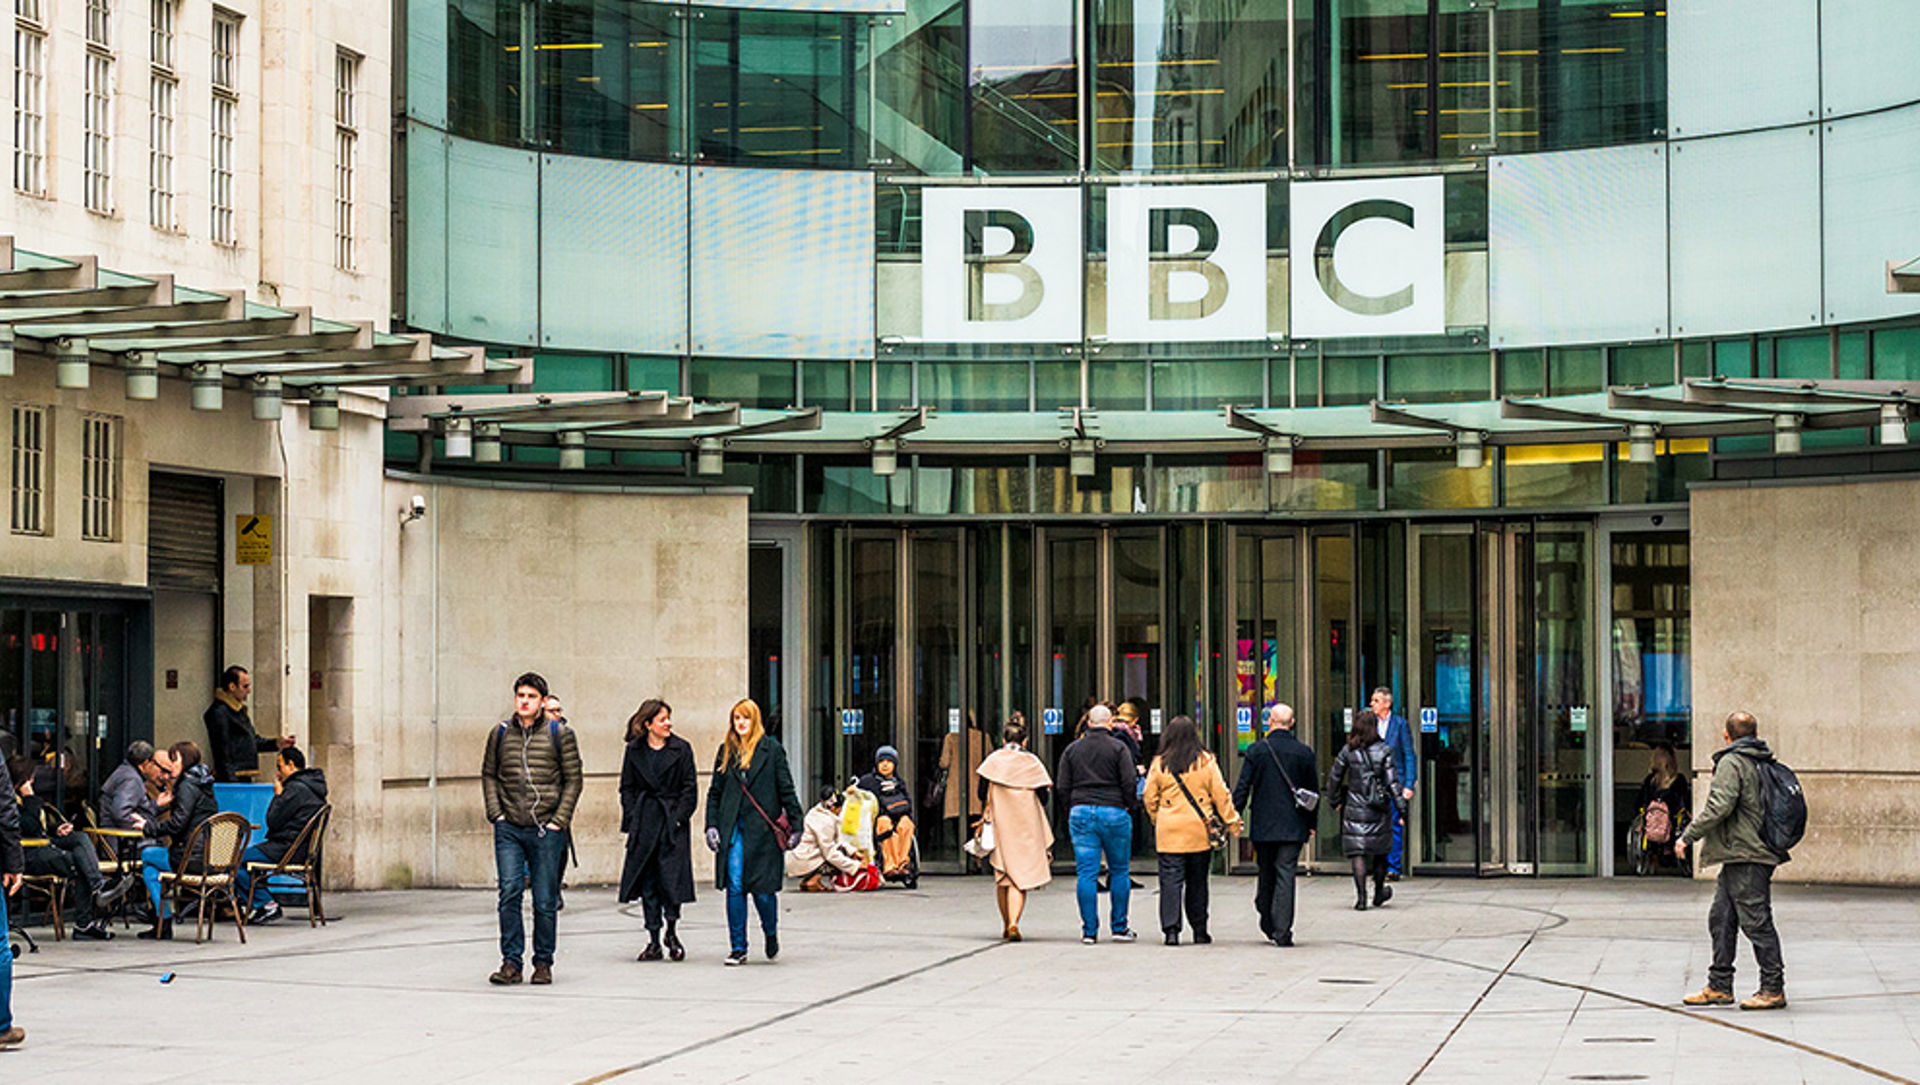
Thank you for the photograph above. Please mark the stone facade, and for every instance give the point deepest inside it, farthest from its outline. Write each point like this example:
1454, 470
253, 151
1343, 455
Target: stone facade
1806, 613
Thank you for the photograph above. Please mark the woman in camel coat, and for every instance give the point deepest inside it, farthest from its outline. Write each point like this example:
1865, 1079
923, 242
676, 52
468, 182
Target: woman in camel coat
1014, 789
1180, 824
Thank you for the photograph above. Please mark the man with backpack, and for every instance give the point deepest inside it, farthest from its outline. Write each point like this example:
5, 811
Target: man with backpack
1746, 825
530, 778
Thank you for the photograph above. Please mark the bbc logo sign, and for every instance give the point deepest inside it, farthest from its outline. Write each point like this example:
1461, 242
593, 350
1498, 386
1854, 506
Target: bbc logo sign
1185, 263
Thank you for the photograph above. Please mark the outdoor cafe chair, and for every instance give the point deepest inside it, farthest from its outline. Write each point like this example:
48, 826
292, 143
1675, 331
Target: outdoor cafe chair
225, 837
302, 861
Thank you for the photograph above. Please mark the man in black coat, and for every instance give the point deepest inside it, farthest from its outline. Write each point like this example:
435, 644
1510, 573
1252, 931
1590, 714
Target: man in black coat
1269, 772
298, 794
232, 745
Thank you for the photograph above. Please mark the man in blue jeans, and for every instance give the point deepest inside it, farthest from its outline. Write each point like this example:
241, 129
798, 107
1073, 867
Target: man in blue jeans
530, 777
1096, 783
1399, 739
13, 864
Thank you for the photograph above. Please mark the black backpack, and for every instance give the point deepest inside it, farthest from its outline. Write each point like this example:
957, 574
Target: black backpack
1783, 808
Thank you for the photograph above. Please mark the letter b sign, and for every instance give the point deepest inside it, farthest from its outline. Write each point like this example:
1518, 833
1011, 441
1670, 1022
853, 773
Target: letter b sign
1186, 263
1000, 265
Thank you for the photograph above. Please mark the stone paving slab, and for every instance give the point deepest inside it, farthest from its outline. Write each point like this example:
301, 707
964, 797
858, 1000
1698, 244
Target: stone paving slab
1480, 982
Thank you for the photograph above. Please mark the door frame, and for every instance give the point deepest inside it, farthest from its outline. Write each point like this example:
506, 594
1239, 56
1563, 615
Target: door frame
791, 540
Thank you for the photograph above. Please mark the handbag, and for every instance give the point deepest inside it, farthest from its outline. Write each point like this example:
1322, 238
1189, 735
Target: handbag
982, 842
782, 830
1217, 835
1306, 798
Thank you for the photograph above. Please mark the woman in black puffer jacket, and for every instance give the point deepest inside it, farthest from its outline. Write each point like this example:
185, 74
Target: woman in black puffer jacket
1365, 787
191, 804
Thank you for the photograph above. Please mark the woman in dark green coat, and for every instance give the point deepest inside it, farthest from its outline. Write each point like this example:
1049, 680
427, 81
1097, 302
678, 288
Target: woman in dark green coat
752, 790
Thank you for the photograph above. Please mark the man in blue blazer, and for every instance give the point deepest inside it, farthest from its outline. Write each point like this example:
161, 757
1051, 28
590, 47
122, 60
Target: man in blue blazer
1399, 738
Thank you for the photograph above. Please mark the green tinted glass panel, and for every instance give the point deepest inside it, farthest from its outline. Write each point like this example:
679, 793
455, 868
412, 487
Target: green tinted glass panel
771, 478
572, 373
1439, 378
1023, 87
1180, 87
606, 69
750, 384
1665, 480
1523, 373
974, 386
653, 374
1350, 379
827, 384
1572, 372
1426, 478
1331, 481
1055, 385
1896, 354
1733, 358
1852, 356
779, 89
945, 487
1581, 73
843, 485
485, 53
920, 89
1696, 359
893, 384
1652, 364
1802, 357
1306, 381
1204, 386
1117, 386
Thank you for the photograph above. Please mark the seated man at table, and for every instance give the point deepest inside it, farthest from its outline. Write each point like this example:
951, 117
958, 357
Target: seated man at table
125, 802
184, 809
298, 793
67, 854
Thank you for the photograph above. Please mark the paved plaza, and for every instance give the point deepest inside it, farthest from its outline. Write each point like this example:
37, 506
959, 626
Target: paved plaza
1455, 981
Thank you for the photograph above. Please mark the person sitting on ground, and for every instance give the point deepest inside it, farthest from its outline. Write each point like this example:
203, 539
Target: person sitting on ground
298, 794
190, 804
893, 828
67, 854
821, 853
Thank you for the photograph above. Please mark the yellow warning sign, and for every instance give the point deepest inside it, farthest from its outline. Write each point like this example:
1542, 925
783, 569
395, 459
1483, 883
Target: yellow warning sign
253, 539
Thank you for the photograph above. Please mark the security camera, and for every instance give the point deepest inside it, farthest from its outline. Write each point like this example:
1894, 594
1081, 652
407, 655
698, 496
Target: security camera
416, 508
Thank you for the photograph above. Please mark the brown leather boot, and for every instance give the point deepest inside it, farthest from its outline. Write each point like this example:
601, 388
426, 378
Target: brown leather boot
542, 973
1765, 1000
1707, 996
507, 976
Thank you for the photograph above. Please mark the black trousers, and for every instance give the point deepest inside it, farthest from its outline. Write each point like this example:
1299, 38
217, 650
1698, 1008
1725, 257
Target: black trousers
1743, 904
1275, 860
1183, 878
71, 857
657, 902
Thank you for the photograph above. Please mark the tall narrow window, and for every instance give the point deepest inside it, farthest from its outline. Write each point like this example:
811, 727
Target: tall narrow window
29, 470
346, 148
160, 120
96, 141
226, 104
99, 476
29, 98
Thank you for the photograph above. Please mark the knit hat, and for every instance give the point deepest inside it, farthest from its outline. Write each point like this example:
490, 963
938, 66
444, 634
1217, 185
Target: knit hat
886, 753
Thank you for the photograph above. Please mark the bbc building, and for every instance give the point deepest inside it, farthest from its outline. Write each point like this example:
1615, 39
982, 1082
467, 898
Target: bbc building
907, 364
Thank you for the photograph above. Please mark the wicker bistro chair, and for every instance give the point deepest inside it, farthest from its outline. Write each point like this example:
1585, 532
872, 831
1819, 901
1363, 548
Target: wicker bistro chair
48, 887
118, 851
225, 837
301, 862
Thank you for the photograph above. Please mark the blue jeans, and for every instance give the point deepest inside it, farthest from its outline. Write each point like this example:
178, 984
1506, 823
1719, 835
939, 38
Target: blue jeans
153, 861
1397, 856
256, 896
1098, 829
767, 904
6, 969
521, 855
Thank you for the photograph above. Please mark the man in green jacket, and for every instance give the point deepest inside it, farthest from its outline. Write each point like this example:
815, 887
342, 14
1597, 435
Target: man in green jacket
530, 778
1728, 831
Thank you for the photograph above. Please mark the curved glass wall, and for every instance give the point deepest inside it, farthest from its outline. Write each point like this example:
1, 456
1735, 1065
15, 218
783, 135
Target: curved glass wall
952, 88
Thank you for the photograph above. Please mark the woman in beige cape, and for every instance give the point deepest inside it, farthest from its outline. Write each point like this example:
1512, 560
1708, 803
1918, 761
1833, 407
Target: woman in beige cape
1013, 786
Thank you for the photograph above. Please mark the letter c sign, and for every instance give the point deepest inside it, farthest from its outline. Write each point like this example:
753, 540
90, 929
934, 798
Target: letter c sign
1368, 257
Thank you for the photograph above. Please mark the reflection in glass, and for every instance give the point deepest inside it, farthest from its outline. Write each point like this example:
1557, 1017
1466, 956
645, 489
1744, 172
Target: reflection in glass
1204, 385
1562, 701
1444, 643
1328, 480
1206, 484
944, 487
1023, 85
778, 89
1542, 476
974, 386
871, 652
1582, 73
1439, 378
920, 98
748, 383
1651, 660
1676, 463
1187, 84
1333, 683
606, 71
940, 712
1426, 478
1073, 627
486, 48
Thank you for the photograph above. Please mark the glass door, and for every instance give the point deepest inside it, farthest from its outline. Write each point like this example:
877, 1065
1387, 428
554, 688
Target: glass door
1072, 591
1564, 718
1442, 697
1263, 634
944, 742
1334, 695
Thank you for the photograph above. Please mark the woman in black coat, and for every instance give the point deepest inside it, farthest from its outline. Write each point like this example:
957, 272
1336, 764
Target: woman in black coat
752, 790
659, 788
1365, 788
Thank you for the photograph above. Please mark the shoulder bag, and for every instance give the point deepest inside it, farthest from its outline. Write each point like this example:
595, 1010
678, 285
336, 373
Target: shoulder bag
1306, 798
782, 832
1217, 835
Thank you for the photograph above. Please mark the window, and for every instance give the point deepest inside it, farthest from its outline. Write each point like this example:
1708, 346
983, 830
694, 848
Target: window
346, 146
29, 470
164, 86
96, 141
161, 40
29, 99
99, 477
226, 49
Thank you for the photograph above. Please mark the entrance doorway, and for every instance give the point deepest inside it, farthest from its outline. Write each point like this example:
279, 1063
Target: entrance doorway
68, 671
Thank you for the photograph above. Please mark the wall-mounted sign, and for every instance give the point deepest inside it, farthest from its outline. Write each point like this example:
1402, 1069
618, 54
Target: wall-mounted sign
1243, 720
1368, 257
1050, 721
1000, 265
1186, 263
1429, 721
1153, 717
253, 539
953, 721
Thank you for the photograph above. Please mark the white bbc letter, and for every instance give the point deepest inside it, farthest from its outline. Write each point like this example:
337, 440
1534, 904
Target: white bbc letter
1186, 263
1000, 265
1368, 257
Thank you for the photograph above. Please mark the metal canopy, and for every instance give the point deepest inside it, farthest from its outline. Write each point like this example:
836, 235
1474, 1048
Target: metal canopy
148, 322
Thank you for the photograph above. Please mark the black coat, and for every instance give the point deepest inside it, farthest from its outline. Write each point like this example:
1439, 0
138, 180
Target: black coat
1365, 829
658, 792
301, 796
231, 743
1273, 816
763, 867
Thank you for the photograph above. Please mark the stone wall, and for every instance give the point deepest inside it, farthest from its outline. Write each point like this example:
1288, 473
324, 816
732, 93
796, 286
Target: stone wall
1806, 612
613, 596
